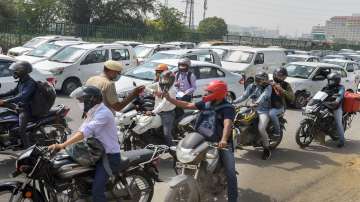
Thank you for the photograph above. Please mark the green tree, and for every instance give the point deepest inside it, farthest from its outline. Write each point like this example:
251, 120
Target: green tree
214, 27
7, 11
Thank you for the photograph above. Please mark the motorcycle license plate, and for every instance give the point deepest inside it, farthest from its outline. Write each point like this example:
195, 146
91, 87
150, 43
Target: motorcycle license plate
181, 165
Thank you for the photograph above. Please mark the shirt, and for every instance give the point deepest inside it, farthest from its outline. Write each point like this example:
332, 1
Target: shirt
260, 96
107, 88
162, 104
280, 100
100, 124
183, 84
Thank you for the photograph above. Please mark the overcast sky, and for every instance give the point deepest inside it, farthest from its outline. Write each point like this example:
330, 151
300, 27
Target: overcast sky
291, 16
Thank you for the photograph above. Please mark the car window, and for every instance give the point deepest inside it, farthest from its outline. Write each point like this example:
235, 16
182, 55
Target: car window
350, 66
208, 72
120, 54
323, 71
4, 68
220, 73
206, 58
259, 59
316, 60
356, 67
96, 56
192, 57
340, 71
310, 60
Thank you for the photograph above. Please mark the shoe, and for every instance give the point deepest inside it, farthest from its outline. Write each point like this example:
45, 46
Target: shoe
341, 144
266, 154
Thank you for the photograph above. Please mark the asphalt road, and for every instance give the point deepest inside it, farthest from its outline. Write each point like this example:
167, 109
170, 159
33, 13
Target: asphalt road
286, 175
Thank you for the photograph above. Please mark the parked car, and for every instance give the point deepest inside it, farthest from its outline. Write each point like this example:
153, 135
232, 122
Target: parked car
247, 61
8, 82
205, 73
355, 57
343, 57
300, 52
289, 52
208, 44
307, 78
129, 43
346, 51
352, 68
182, 45
38, 41
145, 51
302, 58
222, 50
75, 64
46, 51
205, 55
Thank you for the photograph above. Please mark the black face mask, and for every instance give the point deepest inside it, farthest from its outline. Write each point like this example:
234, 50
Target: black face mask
278, 80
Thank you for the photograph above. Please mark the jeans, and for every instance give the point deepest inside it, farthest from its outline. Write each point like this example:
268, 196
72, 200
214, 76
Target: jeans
338, 113
24, 118
101, 177
168, 119
179, 111
263, 122
228, 161
274, 112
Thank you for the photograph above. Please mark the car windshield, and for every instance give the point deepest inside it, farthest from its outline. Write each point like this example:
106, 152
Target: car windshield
239, 56
145, 71
142, 51
334, 57
299, 71
34, 43
342, 64
159, 56
45, 50
295, 59
68, 55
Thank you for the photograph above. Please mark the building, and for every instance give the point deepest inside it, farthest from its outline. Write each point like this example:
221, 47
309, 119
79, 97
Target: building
318, 33
344, 27
254, 31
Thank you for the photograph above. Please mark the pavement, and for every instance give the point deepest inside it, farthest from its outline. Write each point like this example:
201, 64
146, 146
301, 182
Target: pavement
286, 177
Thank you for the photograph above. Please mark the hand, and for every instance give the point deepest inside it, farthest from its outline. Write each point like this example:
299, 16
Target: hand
2, 102
158, 94
253, 105
56, 147
149, 113
166, 95
222, 144
138, 90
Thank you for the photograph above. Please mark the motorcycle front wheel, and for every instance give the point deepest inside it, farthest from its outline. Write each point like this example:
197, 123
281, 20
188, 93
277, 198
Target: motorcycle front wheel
182, 193
304, 134
8, 194
141, 187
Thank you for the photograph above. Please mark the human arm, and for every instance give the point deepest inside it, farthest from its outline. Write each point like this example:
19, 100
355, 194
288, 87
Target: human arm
164, 102
226, 133
341, 94
117, 105
192, 89
265, 95
23, 96
78, 136
179, 103
289, 93
245, 96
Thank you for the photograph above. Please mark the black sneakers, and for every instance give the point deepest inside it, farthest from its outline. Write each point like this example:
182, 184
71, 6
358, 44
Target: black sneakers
266, 154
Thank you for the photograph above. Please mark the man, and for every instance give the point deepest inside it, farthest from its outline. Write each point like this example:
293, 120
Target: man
185, 81
100, 124
282, 93
105, 82
21, 96
335, 90
215, 96
260, 93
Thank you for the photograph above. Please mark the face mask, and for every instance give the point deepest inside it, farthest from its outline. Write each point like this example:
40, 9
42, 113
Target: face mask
117, 77
277, 80
15, 75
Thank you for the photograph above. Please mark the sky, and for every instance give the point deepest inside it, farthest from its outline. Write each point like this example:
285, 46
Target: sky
292, 17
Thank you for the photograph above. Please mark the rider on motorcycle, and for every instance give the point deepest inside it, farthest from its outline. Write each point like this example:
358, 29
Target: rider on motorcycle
283, 94
335, 90
215, 96
260, 93
100, 124
21, 96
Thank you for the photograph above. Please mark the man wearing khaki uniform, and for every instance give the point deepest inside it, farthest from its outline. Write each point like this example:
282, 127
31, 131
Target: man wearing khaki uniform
106, 83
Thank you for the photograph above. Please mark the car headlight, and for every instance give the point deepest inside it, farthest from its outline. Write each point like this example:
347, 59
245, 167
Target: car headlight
185, 155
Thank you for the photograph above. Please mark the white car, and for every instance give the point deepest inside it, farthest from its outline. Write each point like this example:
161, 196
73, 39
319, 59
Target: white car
205, 55
307, 78
205, 73
46, 51
75, 64
129, 43
342, 57
302, 58
182, 45
38, 41
145, 51
8, 82
352, 68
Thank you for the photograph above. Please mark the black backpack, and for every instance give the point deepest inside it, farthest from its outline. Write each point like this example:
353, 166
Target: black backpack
43, 99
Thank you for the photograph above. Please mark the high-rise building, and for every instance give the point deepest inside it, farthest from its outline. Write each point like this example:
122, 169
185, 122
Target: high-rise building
344, 27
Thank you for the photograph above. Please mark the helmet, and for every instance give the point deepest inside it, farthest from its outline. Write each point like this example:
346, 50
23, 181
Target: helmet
89, 95
334, 79
113, 65
217, 91
20, 69
184, 62
167, 79
280, 72
162, 67
261, 76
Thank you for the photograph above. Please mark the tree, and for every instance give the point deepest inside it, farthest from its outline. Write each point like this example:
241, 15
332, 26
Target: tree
214, 27
7, 11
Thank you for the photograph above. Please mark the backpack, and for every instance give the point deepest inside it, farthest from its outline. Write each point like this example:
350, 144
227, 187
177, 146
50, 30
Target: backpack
43, 99
206, 123
188, 77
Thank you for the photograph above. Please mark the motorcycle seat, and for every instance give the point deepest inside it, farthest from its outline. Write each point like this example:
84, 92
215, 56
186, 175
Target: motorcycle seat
55, 110
62, 159
135, 157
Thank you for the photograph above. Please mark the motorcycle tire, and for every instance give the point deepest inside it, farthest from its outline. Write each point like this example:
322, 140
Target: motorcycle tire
7, 193
145, 178
175, 193
304, 131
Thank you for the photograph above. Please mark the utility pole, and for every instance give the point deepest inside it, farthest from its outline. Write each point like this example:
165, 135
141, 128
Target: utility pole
189, 14
166, 3
205, 9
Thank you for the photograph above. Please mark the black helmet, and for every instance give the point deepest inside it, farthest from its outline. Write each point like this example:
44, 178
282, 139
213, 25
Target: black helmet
89, 95
261, 76
334, 79
20, 69
279, 72
184, 62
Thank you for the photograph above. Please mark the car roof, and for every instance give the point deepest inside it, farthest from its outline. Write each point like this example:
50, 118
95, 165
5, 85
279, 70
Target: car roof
178, 43
316, 64
57, 37
90, 46
129, 42
194, 63
157, 45
185, 51
335, 56
5, 57
339, 60
68, 43
253, 49
300, 56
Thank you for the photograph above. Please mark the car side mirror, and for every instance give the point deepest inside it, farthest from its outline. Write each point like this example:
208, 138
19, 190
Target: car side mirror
84, 62
319, 77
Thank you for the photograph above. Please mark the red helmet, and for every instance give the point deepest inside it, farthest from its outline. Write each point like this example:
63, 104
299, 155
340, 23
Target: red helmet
217, 91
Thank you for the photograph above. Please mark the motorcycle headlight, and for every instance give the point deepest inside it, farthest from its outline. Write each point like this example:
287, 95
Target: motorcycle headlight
185, 155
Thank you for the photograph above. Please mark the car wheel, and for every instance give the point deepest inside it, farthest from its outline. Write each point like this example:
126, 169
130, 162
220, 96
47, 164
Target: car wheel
70, 85
301, 100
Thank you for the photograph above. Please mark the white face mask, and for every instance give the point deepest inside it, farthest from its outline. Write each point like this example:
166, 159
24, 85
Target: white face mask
81, 106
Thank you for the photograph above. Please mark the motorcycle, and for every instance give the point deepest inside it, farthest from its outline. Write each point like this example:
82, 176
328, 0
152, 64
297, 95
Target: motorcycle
245, 129
53, 177
201, 171
46, 130
319, 120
